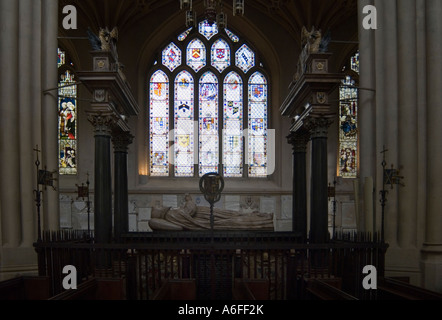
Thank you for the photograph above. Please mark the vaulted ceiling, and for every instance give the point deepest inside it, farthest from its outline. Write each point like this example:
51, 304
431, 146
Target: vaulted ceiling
289, 14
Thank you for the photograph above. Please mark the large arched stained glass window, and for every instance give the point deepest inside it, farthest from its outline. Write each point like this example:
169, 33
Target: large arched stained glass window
67, 119
219, 106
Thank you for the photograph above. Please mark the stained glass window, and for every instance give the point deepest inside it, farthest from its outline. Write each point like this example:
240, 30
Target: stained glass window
217, 122
67, 123
348, 124
172, 57
159, 124
61, 57
184, 35
196, 55
207, 30
231, 35
233, 126
184, 114
257, 132
245, 58
220, 55
208, 124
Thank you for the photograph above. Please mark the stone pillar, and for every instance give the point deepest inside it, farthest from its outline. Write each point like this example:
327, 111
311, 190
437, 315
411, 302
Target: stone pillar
318, 127
367, 117
408, 129
121, 141
51, 207
9, 125
433, 235
102, 123
299, 142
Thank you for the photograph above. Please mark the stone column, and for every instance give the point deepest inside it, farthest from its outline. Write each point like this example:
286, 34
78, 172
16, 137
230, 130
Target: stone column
102, 123
9, 125
299, 142
433, 235
121, 141
367, 116
51, 207
408, 129
318, 128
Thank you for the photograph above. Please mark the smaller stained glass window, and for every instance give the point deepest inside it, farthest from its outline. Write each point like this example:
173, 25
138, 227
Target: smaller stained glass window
245, 58
61, 57
233, 126
207, 30
220, 55
172, 57
184, 126
196, 55
231, 35
257, 132
355, 63
184, 35
67, 124
208, 124
159, 124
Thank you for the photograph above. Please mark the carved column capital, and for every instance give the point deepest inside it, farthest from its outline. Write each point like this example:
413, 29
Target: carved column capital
318, 126
299, 141
102, 123
121, 141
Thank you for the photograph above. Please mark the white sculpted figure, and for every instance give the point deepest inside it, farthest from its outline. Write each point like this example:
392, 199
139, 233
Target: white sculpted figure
192, 217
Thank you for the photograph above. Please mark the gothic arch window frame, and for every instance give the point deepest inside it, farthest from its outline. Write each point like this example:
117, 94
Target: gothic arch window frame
234, 46
348, 120
67, 97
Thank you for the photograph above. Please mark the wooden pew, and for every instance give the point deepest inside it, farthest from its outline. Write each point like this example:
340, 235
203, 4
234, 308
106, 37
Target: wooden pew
95, 289
391, 289
251, 289
25, 288
320, 289
176, 289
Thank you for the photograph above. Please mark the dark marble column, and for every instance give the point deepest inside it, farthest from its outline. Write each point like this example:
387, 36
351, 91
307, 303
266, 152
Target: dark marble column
121, 141
299, 141
318, 128
103, 188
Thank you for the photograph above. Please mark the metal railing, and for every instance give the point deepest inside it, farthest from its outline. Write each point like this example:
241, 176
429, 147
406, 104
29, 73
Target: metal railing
147, 260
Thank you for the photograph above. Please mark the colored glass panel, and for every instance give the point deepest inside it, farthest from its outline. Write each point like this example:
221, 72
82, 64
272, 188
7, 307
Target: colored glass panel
208, 124
159, 124
196, 55
61, 57
231, 35
171, 57
245, 58
184, 35
348, 124
257, 132
67, 124
207, 30
233, 126
354, 63
220, 55
184, 127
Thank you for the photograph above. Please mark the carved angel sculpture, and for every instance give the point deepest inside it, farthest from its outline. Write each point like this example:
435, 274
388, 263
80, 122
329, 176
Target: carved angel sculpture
105, 41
